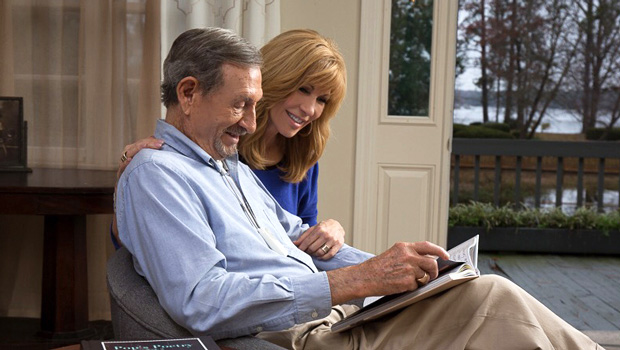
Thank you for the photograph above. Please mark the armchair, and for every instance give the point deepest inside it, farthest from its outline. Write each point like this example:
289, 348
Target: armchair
137, 314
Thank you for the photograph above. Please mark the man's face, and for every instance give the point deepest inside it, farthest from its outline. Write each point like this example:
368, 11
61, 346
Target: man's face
219, 118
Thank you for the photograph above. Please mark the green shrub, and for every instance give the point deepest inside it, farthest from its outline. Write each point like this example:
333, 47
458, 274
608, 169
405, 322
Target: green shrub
584, 218
476, 214
481, 132
528, 217
458, 127
609, 222
503, 217
555, 218
597, 134
497, 126
515, 133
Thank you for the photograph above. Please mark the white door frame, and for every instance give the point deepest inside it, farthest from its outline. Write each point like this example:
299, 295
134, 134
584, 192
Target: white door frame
368, 225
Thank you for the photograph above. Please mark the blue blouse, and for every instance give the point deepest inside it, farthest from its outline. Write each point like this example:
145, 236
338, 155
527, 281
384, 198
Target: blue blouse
297, 198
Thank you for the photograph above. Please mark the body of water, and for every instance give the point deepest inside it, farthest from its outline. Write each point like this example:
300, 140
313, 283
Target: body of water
569, 200
560, 121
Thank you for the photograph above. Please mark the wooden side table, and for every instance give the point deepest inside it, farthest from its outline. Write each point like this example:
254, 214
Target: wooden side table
64, 197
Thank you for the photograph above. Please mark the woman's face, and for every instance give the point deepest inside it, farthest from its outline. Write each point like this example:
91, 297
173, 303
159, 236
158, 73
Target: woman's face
299, 109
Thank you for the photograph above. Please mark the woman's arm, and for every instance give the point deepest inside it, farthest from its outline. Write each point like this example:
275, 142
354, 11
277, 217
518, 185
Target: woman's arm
128, 153
324, 239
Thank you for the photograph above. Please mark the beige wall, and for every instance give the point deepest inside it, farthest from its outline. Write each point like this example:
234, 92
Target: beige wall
338, 20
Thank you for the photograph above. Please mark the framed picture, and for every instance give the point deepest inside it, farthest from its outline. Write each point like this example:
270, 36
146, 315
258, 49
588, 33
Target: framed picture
13, 134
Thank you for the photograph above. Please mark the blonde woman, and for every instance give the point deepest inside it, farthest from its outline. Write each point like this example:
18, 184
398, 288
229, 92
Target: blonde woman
304, 83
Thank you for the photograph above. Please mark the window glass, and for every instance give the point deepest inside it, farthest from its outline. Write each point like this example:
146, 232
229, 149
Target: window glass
410, 58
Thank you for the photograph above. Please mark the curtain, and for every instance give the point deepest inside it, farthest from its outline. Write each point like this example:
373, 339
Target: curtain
86, 75
89, 71
89, 74
256, 20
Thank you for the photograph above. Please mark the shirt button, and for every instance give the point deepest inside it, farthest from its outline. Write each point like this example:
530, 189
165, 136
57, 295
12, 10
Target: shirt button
315, 314
259, 329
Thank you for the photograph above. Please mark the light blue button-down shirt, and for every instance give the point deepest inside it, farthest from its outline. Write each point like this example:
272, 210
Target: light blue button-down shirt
212, 271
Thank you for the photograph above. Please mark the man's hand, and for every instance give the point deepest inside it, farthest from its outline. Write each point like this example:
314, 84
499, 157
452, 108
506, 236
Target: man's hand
394, 271
328, 233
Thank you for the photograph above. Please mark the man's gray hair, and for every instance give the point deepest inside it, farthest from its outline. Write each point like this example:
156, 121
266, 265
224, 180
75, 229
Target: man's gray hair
200, 53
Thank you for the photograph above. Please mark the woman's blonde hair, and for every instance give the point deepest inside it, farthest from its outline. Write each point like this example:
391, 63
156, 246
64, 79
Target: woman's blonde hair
291, 60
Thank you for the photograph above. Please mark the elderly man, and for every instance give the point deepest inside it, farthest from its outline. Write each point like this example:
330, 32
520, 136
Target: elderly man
217, 248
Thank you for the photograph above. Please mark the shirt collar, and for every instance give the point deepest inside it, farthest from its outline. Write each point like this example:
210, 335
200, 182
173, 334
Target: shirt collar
180, 143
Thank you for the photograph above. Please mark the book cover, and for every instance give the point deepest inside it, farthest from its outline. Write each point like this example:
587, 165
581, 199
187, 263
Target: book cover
198, 343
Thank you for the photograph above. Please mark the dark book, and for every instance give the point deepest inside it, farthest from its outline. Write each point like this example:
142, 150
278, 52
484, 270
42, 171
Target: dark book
198, 343
461, 268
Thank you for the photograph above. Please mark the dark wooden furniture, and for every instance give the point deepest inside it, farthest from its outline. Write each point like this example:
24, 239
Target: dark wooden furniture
64, 197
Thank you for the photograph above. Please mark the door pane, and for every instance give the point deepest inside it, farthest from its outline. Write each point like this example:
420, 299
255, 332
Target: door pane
411, 32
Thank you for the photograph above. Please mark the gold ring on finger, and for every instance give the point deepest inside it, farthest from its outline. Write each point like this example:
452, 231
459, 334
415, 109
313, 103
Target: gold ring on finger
424, 280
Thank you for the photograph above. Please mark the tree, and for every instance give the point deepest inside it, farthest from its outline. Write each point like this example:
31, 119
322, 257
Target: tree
614, 108
595, 74
530, 54
476, 28
548, 54
410, 54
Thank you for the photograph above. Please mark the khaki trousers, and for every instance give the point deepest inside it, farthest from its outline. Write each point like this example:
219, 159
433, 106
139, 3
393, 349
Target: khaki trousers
489, 312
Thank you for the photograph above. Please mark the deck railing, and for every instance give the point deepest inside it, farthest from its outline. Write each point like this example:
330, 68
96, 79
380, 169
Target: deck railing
581, 154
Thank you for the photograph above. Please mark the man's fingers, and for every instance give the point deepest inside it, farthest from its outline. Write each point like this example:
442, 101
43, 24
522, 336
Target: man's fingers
429, 265
428, 248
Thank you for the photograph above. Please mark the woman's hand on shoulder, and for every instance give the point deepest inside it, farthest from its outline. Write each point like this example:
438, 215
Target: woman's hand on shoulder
131, 150
322, 240
128, 153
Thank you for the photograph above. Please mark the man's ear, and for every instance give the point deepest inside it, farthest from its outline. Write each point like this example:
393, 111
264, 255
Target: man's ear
187, 89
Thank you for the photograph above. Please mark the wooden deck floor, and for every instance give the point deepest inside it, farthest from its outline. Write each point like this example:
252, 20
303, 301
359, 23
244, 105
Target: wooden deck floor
584, 291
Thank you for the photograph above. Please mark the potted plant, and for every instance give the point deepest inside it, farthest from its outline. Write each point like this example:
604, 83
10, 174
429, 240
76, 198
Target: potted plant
535, 230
